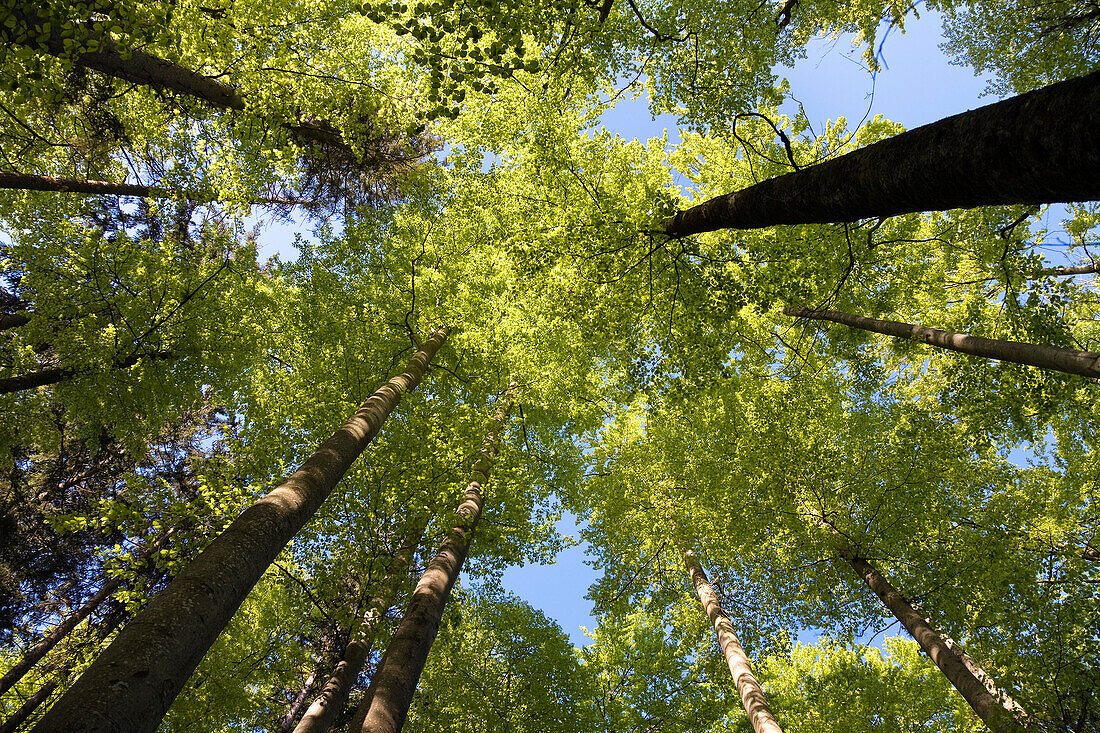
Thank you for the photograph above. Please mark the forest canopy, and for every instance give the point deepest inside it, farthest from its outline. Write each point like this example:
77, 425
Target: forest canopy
796, 384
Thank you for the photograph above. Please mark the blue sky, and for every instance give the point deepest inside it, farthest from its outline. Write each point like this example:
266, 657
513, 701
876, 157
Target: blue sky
917, 85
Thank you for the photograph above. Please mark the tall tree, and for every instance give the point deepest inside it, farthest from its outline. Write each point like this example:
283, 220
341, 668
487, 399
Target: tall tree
160, 648
387, 703
999, 154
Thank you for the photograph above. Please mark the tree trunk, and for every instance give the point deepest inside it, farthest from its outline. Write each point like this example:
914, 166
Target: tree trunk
997, 716
752, 695
138, 67
391, 689
334, 697
48, 642
286, 725
131, 684
54, 375
1039, 147
1084, 363
13, 320
33, 702
63, 629
35, 182
1064, 271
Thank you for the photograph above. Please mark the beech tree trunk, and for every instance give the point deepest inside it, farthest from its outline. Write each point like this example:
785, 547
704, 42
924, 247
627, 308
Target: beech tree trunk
334, 696
391, 690
1068, 270
1084, 363
995, 715
131, 684
752, 694
1036, 148
54, 375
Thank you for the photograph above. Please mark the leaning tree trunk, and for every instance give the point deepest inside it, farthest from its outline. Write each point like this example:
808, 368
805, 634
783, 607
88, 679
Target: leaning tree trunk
1066, 271
33, 702
286, 725
132, 683
752, 694
1084, 363
334, 696
391, 690
63, 629
998, 715
1040, 147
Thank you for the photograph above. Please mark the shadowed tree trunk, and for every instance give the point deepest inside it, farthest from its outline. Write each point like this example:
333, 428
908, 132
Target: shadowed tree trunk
132, 683
391, 690
1084, 363
334, 696
26, 709
1039, 147
752, 694
54, 375
34, 182
63, 629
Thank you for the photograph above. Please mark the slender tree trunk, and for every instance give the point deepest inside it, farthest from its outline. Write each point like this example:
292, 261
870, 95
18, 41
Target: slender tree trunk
1084, 363
997, 716
26, 709
1007, 701
63, 629
137, 67
48, 642
391, 689
752, 694
55, 375
35, 182
286, 725
1070, 270
1039, 147
328, 706
131, 684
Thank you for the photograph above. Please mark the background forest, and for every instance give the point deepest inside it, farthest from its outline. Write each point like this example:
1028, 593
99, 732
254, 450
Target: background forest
819, 404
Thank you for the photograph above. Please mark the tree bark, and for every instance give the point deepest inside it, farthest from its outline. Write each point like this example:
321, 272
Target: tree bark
973, 690
391, 689
287, 723
27, 708
334, 696
48, 642
1039, 147
13, 320
1084, 363
55, 375
131, 684
1065, 271
752, 694
34, 182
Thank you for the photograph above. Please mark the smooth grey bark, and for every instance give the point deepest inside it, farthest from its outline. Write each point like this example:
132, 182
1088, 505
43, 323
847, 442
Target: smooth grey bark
334, 696
130, 686
992, 712
391, 690
1084, 363
752, 694
1036, 148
